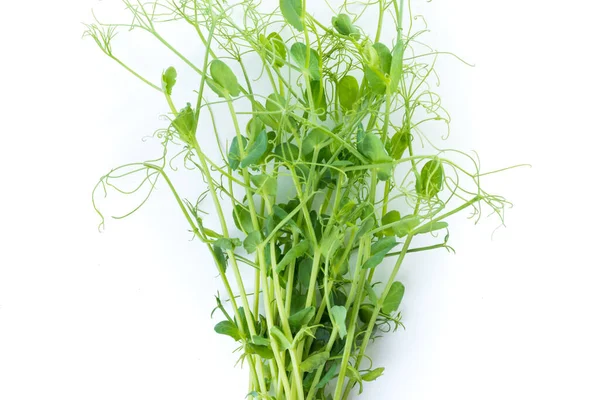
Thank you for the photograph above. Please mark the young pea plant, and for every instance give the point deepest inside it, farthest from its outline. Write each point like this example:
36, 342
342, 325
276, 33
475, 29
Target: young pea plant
324, 174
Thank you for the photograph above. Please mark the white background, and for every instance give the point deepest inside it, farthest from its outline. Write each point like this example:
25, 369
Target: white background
125, 314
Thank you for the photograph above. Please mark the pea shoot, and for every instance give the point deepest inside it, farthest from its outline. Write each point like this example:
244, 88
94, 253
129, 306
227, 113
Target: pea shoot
326, 173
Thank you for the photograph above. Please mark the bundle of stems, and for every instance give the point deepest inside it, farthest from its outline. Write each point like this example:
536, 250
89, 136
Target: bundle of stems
322, 177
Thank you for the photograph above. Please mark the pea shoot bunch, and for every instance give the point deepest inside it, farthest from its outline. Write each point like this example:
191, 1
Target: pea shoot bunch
323, 175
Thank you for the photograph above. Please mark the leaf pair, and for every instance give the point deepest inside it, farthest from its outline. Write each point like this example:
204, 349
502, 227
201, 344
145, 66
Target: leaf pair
343, 24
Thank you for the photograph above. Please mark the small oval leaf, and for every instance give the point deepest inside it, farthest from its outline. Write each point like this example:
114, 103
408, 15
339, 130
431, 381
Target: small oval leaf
347, 91
256, 150
338, 317
394, 298
263, 351
390, 218
228, 328
379, 250
431, 180
372, 375
169, 79
223, 76
292, 12
315, 361
276, 50
298, 52
253, 239
343, 24
399, 143
302, 317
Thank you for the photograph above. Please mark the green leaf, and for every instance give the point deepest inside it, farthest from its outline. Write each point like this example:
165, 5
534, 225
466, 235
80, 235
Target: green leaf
378, 66
379, 250
276, 50
376, 81
275, 106
371, 293
265, 184
254, 127
169, 78
431, 227
394, 298
315, 138
399, 143
278, 337
370, 146
304, 272
228, 328
268, 255
347, 91
221, 259
263, 351
184, 124
298, 52
234, 155
225, 79
329, 375
291, 256
431, 181
227, 244
243, 321
341, 267
354, 375
276, 217
302, 317
319, 99
389, 218
365, 312
406, 225
292, 12
397, 65
256, 150
287, 151
365, 227
385, 57
373, 375
338, 317
343, 24
253, 239
315, 361
242, 219
261, 341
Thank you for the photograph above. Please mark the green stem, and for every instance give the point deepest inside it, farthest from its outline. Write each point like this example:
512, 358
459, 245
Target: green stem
377, 309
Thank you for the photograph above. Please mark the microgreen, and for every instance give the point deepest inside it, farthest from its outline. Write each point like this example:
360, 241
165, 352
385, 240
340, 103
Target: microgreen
325, 167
